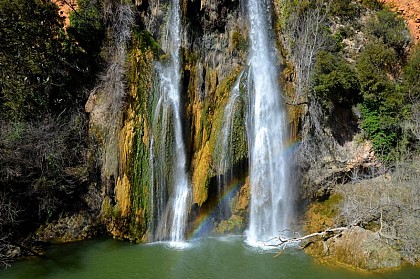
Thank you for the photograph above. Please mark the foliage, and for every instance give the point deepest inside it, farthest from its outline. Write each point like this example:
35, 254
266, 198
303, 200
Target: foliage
384, 101
43, 69
390, 29
31, 44
334, 81
383, 134
411, 85
86, 25
345, 9
43, 173
370, 79
411, 77
373, 66
373, 4
45, 74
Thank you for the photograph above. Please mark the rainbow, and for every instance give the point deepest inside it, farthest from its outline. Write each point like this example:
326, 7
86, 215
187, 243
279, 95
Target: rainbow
204, 223
205, 220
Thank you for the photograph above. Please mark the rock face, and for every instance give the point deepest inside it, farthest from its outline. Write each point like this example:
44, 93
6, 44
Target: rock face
66, 7
214, 50
358, 248
214, 47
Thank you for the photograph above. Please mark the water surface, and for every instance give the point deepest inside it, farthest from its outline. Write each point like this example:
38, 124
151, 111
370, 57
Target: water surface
227, 257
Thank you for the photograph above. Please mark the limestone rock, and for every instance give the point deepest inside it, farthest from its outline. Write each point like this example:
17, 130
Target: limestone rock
358, 248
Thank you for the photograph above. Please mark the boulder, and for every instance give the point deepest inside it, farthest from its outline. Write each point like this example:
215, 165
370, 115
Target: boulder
356, 247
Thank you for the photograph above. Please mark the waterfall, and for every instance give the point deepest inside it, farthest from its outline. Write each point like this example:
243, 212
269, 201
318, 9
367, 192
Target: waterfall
226, 149
170, 194
267, 132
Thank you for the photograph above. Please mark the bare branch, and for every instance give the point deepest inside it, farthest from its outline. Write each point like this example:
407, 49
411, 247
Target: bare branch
284, 242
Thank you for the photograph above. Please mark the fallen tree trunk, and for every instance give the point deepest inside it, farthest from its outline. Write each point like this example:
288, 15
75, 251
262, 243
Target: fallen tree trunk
284, 242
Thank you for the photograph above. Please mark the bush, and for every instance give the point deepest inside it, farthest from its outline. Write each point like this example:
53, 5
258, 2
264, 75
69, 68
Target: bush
30, 50
43, 170
86, 25
411, 85
389, 29
334, 80
345, 9
42, 69
411, 74
373, 66
373, 4
385, 105
389, 206
383, 131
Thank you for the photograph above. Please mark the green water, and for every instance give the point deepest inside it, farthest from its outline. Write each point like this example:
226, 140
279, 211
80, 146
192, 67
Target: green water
227, 257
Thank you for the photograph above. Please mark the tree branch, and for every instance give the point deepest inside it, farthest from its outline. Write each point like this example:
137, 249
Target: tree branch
284, 242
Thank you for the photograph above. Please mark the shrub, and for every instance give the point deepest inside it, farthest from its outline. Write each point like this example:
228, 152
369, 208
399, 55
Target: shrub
345, 9
411, 74
334, 80
385, 105
389, 206
373, 66
374, 4
390, 29
42, 68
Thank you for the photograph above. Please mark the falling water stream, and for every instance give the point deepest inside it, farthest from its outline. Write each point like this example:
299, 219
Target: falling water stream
267, 132
223, 257
225, 148
171, 194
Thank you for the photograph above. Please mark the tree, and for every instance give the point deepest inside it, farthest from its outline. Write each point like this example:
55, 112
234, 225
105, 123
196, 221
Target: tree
391, 30
29, 50
334, 81
386, 104
42, 68
411, 75
411, 85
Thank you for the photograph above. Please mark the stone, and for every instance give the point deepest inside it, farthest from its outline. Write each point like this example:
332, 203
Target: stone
357, 247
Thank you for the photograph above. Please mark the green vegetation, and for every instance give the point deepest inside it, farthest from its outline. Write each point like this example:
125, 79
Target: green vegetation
344, 9
363, 70
46, 73
373, 4
374, 82
385, 107
87, 27
389, 29
43, 68
334, 80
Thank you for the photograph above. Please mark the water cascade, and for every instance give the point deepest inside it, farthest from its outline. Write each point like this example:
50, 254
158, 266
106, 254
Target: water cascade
169, 176
267, 132
225, 147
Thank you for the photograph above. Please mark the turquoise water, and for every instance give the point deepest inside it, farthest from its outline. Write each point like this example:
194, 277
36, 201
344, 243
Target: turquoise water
227, 257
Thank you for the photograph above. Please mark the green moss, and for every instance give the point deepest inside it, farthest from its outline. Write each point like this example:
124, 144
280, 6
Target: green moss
234, 225
134, 149
143, 40
191, 57
221, 98
211, 121
239, 41
330, 206
323, 215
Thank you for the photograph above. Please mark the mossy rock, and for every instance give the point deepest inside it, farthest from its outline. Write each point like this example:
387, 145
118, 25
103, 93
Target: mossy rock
356, 247
235, 224
322, 215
